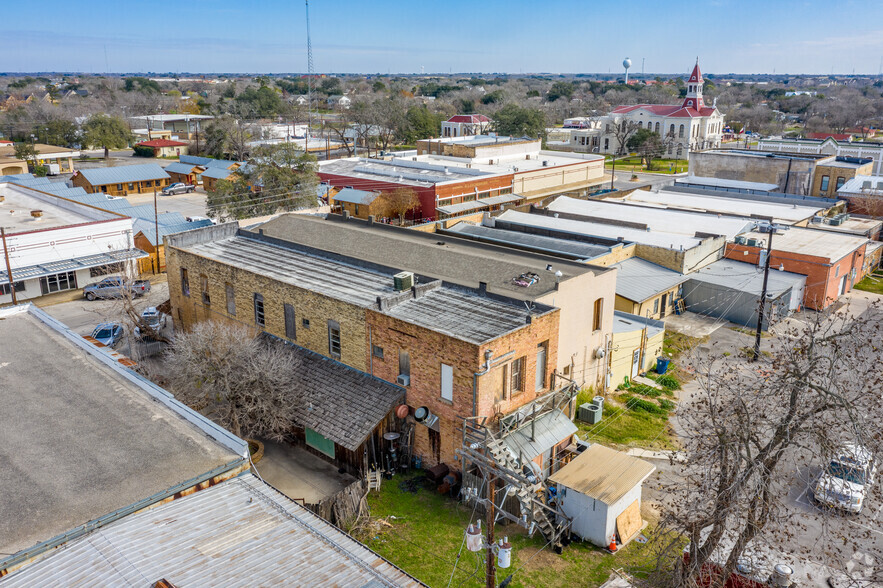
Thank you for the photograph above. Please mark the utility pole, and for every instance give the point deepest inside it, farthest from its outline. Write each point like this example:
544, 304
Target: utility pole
613, 172
8, 266
771, 229
309, 81
490, 575
156, 230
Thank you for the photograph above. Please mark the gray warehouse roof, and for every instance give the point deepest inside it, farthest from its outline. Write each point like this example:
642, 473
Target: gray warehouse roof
747, 277
124, 173
82, 436
538, 243
241, 532
639, 280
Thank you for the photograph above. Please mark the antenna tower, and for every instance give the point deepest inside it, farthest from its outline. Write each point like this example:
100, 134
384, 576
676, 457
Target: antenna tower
309, 80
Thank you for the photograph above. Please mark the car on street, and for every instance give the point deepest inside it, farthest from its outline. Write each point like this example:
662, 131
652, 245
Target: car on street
847, 479
108, 333
116, 287
154, 319
178, 188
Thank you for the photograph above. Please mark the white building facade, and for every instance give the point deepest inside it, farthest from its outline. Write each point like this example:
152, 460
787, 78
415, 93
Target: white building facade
684, 127
464, 125
829, 146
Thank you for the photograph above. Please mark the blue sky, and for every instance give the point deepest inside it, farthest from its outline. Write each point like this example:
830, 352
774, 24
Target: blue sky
516, 36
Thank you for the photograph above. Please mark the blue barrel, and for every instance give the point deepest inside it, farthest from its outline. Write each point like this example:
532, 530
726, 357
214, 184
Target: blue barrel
662, 364
418, 462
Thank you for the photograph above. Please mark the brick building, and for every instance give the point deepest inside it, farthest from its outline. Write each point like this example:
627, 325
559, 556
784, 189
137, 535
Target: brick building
455, 350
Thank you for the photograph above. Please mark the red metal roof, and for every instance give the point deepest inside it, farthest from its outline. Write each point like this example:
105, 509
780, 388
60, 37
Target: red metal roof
161, 143
675, 110
469, 118
696, 75
835, 136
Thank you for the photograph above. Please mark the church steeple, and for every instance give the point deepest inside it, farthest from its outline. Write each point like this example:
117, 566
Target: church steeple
693, 98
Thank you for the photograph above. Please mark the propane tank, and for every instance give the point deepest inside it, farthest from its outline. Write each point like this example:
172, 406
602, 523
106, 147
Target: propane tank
504, 554
473, 538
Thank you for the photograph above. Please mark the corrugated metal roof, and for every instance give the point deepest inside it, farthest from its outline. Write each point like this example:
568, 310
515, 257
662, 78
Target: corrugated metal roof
747, 277
603, 473
476, 204
241, 532
539, 243
624, 322
218, 173
638, 279
549, 430
68, 265
180, 168
354, 196
724, 183
148, 229
123, 174
206, 161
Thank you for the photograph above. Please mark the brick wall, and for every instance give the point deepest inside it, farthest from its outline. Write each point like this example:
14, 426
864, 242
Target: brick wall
315, 308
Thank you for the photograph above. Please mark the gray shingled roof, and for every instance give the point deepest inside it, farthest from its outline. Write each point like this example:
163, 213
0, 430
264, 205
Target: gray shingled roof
638, 279
340, 402
123, 174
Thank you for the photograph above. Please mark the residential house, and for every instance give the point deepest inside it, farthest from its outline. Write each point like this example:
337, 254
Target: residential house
145, 178
165, 147
338, 101
635, 345
465, 125
358, 203
55, 243
451, 349
185, 173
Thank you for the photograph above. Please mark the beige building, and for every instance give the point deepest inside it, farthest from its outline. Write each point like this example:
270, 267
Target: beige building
46, 155
637, 342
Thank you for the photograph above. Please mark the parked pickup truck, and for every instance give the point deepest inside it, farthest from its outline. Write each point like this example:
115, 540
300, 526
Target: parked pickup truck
116, 287
178, 188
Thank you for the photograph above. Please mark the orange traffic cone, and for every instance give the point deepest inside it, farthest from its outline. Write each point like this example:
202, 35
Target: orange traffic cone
612, 545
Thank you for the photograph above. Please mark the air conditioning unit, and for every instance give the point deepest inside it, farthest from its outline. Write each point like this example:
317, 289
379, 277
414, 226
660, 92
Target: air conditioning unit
835, 221
740, 240
816, 220
403, 281
403, 380
751, 242
589, 413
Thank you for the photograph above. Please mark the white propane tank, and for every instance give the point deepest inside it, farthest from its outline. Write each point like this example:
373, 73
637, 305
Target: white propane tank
504, 555
473, 538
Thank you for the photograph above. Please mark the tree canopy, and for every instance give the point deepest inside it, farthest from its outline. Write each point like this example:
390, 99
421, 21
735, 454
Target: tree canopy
109, 132
515, 121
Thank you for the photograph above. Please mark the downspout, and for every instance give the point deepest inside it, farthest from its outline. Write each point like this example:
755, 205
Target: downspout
370, 351
488, 354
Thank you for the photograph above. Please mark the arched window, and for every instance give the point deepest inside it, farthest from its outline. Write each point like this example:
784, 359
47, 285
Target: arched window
681, 131
689, 103
640, 124
671, 130
657, 127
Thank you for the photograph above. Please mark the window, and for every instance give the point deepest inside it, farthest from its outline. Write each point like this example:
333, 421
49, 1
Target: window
5, 290
681, 131
290, 324
203, 282
119, 186
103, 270
657, 127
597, 314
231, 299
356, 209
656, 306
664, 300
185, 282
836, 271
259, 317
840, 181
377, 351
334, 338
825, 181
516, 374
305, 323
447, 382
541, 366
404, 364
671, 130
131, 185
58, 282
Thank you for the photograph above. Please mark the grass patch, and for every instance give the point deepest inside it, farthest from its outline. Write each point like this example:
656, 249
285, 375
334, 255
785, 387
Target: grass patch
424, 538
668, 381
871, 284
632, 422
645, 390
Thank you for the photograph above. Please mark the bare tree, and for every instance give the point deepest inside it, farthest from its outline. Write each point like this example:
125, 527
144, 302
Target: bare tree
753, 430
245, 380
622, 132
398, 203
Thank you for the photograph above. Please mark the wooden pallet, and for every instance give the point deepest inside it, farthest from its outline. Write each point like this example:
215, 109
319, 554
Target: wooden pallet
374, 479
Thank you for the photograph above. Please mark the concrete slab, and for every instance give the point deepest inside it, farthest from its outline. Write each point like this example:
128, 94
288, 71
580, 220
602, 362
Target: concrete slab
693, 325
299, 474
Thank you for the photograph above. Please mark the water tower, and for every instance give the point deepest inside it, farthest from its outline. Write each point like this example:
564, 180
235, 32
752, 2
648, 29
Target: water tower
626, 63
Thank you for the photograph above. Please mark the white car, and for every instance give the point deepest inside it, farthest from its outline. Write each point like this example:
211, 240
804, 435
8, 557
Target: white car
154, 319
845, 482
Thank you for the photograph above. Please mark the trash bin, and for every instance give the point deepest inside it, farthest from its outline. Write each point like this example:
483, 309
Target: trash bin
662, 364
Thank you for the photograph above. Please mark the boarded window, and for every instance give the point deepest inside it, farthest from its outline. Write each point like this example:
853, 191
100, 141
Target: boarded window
319, 442
447, 382
231, 299
377, 351
290, 324
259, 317
516, 376
598, 311
404, 364
334, 338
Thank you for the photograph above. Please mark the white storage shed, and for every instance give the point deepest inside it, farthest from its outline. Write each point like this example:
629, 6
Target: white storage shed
601, 491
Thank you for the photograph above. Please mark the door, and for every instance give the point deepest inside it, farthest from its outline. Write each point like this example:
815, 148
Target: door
636, 362
662, 310
842, 286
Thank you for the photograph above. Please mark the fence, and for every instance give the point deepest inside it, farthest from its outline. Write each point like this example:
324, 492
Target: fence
139, 350
344, 508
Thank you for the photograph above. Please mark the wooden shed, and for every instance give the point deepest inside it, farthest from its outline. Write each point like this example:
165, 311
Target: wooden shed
600, 490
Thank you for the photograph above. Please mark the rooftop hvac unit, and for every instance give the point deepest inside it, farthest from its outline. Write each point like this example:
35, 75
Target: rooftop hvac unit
589, 413
751, 242
403, 281
816, 220
835, 221
866, 185
740, 240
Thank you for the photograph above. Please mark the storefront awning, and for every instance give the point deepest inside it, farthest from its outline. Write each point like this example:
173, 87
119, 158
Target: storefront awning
462, 207
31, 272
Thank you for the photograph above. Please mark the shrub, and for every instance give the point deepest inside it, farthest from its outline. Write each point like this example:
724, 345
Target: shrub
645, 390
639, 404
666, 404
585, 396
142, 151
668, 381
41, 171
